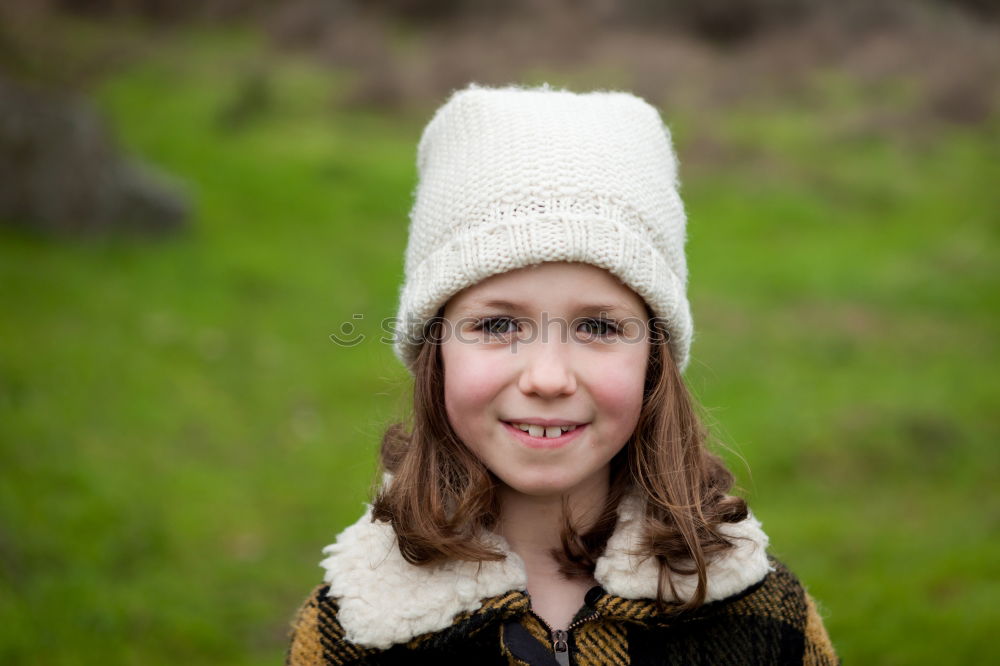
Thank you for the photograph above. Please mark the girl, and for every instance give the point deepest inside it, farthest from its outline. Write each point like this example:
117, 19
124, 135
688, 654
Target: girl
554, 501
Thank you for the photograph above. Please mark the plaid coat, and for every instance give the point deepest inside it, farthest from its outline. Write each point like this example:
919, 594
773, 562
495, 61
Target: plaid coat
377, 609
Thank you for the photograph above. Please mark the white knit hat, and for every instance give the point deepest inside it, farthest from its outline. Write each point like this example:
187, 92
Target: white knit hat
510, 177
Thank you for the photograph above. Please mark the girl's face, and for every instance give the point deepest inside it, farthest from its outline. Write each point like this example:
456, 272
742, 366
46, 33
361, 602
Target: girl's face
559, 349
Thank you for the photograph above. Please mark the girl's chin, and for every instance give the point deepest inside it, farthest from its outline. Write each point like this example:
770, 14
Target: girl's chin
539, 488
540, 493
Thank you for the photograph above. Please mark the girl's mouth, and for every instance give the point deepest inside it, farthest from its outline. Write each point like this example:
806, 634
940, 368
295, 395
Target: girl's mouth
544, 437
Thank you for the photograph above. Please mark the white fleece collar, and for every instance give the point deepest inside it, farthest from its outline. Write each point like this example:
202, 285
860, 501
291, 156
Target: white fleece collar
385, 600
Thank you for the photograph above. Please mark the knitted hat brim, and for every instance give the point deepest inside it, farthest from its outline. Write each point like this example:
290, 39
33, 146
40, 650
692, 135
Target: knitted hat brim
533, 238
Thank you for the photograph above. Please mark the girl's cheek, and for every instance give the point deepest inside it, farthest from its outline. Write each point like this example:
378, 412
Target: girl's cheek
471, 382
468, 387
618, 385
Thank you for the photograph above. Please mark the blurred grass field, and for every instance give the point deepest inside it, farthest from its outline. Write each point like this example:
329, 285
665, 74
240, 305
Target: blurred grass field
179, 437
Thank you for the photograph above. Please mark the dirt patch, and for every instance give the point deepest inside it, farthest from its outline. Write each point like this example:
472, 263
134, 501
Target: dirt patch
950, 58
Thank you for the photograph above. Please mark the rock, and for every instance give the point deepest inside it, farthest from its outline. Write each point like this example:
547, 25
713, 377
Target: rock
61, 172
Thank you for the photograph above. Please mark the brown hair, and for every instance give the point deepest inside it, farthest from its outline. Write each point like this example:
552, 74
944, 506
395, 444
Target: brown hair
442, 498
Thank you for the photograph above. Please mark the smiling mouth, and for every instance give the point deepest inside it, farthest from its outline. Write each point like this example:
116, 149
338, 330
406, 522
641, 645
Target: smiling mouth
550, 437
543, 431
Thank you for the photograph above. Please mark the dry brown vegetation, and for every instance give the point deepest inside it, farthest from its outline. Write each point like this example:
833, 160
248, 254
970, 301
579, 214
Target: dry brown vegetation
704, 55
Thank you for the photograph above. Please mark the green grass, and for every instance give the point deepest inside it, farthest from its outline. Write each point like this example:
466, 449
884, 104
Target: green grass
179, 437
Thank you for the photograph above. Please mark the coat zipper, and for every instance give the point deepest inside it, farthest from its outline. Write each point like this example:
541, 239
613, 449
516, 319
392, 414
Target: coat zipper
560, 644
560, 637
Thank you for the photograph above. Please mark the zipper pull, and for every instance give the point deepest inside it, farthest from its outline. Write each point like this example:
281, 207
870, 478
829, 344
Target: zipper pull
560, 643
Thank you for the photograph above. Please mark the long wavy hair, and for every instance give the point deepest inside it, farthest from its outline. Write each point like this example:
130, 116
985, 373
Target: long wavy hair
443, 499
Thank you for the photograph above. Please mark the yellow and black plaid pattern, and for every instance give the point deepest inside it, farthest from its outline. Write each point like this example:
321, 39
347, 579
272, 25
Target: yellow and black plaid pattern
599, 642
317, 636
773, 622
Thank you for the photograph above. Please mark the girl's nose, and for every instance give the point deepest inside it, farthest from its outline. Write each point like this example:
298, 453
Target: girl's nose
547, 369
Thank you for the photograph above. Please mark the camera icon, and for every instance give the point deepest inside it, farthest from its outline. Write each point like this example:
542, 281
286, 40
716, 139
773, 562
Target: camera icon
347, 336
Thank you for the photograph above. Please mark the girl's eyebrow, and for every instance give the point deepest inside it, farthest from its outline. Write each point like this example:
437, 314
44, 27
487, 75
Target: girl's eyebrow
605, 309
496, 303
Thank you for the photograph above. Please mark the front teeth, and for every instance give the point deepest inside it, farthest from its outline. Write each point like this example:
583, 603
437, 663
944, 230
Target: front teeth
541, 431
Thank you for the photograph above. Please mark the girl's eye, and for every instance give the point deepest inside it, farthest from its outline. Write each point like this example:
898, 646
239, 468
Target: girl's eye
599, 327
497, 326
